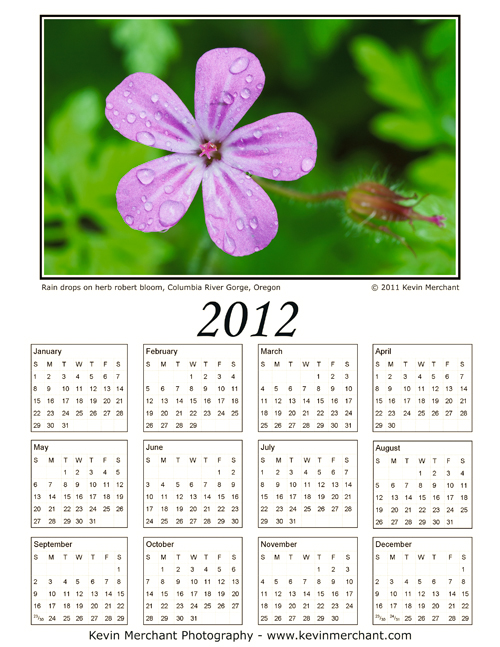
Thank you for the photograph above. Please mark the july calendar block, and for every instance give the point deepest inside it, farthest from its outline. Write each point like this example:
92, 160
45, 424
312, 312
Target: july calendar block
422, 581
78, 387
195, 581
78, 580
422, 387
308, 387
422, 484
79, 483
190, 484
193, 387
308, 581
308, 484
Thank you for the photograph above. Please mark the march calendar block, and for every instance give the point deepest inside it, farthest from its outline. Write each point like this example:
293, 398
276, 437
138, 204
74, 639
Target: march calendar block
422, 387
308, 387
78, 387
195, 581
422, 581
78, 580
193, 387
308, 581
308, 483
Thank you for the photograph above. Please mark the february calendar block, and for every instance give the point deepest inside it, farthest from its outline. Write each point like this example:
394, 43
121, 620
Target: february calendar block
422, 484
78, 387
196, 581
308, 484
308, 387
78, 580
193, 387
422, 581
191, 484
422, 387
308, 581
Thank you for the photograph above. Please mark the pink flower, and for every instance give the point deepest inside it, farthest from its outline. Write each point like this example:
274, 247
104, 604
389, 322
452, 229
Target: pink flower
240, 217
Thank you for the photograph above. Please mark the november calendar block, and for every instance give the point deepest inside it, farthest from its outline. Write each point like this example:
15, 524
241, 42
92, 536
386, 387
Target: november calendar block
422, 484
308, 581
195, 581
78, 387
422, 581
422, 387
308, 387
193, 387
308, 483
78, 580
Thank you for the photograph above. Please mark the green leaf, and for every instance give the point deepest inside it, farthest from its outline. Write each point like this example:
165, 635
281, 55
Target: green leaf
434, 173
412, 131
326, 34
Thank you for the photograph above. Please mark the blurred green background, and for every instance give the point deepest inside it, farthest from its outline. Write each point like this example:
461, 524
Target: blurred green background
380, 95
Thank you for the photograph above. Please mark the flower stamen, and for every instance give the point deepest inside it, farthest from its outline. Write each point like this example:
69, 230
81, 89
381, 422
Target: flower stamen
208, 149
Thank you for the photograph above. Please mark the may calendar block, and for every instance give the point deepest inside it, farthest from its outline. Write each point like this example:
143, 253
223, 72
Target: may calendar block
308, 581
422, 484
422, 387
308, 387
308, 483
193, 387
79, 387
195, 581
422, 581
78, 580
192, 484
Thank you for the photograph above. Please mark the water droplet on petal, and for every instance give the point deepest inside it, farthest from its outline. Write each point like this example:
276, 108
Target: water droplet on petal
239, 65
254, 223
131, 118
129, 220
129, 100
145, 138
171, 212
148, 124
229, 244
276, 172
150, 221
259, 86
213, 227
249, 78
142, 114
276, 223
142, 226
266, 150
239, 224
227, 98
109, 105
256, 249
154, 98
245, 93
145, 175
116, 113
157, 116
249, 193
241, 144
257, 134
130, 84
126, 93
144, 198
169, 189
307, 164
148, 206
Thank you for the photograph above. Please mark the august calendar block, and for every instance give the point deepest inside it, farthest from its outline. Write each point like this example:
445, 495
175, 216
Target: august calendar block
193, 387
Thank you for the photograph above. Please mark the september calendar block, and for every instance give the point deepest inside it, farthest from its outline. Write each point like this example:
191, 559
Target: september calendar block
193, 387
308, 581
78, 581
78, 387
422, 387
308, 484
191, 484
308, 387
422, 484
195, 581
422, 581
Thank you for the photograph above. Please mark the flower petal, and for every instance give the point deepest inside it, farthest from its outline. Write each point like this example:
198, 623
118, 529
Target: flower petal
143, 108
154, 196
279, 147
241, 219
228, 81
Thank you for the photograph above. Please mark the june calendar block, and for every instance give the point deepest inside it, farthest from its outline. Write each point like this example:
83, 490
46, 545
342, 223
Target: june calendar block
78, 580
308, 387
195, 581
422, 581
78, 387
308, 483
422, 484
422, 387
308, 581
193, 387
191, 484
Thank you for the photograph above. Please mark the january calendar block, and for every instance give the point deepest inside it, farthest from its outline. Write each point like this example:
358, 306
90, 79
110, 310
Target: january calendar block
78, 387
191, 484
308, 581
308, 387
422, 581
422, 484
422, 387
78, 580
308, 483
193, 387
195, 581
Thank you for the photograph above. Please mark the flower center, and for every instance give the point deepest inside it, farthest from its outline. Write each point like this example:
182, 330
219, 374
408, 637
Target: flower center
208, 149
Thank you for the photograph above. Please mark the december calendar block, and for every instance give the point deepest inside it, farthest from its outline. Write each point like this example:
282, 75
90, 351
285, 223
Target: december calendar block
193, 387
78, 387
195, 581
422, 581
78, 580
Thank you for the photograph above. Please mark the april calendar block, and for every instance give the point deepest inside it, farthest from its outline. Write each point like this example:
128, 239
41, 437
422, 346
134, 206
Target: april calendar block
193, 387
